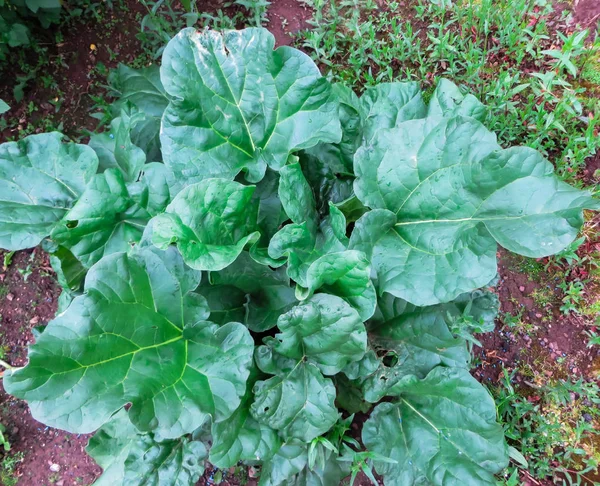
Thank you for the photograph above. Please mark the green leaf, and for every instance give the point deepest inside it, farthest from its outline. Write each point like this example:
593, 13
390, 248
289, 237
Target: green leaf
289, 461
210, 222
271, 215
447, 100
296, 196
323, 330
241, 437
105, 220
41, 178
442, 430
332, 474
129, 457
299, 402
389, 104
347, 275
261, 294
137, 336
455, 193
3, 107
115, 148
245, 106
140, 87
141, 90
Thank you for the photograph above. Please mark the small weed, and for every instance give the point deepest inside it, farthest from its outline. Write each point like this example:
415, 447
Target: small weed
8, 468
573, 299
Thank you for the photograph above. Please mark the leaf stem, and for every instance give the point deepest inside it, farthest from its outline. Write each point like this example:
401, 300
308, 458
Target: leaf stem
4, 364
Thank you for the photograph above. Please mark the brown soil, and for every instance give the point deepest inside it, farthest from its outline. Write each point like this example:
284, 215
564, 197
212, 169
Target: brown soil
28, 298
587, 13
286, 18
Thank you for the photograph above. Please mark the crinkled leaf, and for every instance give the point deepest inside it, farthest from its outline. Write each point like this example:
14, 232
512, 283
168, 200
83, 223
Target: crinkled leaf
116, 150
41, 178
137, 336
441, 430
210, 222
346, 274
240, 105
455, 194
105, 220
389, 104
299, 403
323, 330
241, 437
447, 100
129, 457
413, 340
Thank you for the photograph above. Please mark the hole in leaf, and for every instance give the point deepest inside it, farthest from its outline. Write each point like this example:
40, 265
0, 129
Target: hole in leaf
266, 409
390, 360
72, 224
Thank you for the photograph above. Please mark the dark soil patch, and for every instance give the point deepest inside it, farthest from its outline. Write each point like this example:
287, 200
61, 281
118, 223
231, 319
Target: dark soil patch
586, 13
29, 296
286, 18
545, 345
75, 64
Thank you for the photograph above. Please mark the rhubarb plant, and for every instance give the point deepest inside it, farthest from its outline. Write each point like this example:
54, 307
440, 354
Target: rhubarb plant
250, 254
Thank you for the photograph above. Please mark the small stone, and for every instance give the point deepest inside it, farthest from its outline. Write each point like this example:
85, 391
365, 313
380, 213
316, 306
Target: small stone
575, 370
538, 315
34, 320
10, 297
54, 467
522, 289
587, 417
251, 472
60, 483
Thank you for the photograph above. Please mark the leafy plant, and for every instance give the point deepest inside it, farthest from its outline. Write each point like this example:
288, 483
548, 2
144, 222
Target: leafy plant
299, 252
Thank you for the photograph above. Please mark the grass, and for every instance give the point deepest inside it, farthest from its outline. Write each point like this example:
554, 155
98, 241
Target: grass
8, 467
556, 428
501, 50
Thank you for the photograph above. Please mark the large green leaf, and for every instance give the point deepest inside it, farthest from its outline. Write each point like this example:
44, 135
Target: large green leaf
129, 457
239, 105
346, 274
136, 336
298, 402
455, 193
210, 222
41, 178
108, 218
241, 437
323, 330
442, 430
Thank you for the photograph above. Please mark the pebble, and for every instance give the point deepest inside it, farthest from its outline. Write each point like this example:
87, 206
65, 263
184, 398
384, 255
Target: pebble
10, 297
54, 467
522, 289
